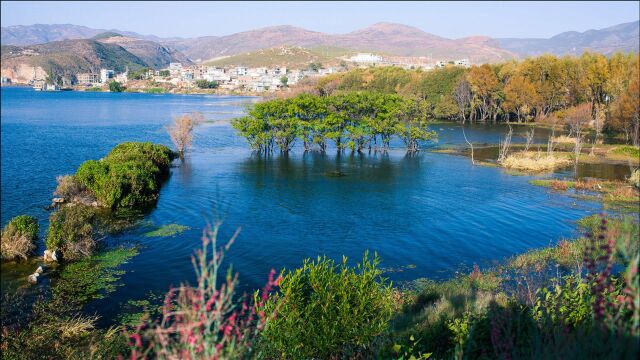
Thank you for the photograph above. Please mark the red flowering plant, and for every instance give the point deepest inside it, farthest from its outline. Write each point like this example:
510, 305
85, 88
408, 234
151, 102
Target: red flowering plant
206, 321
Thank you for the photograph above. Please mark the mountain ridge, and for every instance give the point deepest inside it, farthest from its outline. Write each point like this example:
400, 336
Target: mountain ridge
383, 37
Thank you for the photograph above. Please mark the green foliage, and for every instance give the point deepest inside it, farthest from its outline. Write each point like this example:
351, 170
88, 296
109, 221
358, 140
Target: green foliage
140, 74
566, 304
93, 277
19, 237
632, 151
354, 120
55, 327
165, 73
206, 84
326, 309
129, 176
115, 86
167, 230
71, 230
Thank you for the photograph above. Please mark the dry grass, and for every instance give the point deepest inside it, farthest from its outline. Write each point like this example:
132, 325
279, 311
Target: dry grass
16, 246
77, 326
563, 139
534, 162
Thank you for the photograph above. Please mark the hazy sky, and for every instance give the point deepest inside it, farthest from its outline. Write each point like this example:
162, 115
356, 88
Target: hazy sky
448, 19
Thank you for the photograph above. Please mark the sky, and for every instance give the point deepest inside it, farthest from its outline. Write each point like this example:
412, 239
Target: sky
447, 19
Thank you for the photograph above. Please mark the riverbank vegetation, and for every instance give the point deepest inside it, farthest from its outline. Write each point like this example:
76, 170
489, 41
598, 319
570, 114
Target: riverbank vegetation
574, 299
19, 238
128, 179
354, 120
538, 89
619, 194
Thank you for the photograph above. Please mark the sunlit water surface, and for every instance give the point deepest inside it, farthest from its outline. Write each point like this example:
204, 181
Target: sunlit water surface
426, 215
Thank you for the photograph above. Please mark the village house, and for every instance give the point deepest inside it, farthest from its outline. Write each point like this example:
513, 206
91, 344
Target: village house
88, 78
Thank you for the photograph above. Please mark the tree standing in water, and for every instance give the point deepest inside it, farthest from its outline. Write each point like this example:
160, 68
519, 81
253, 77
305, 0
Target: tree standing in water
181, 131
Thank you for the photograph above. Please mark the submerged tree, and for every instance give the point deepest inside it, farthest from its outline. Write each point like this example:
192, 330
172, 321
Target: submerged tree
181, 131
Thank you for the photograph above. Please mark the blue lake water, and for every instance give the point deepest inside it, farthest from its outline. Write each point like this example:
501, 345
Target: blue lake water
435, 212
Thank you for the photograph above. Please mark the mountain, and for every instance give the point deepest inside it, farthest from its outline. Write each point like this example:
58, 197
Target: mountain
385, 38
622, 37
210, 47
65, 59
388, 38
289, 56
151, 53
43, 33
68, 57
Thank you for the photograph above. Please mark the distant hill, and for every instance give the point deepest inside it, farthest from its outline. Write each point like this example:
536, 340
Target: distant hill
44, 33
289, 56
153, 54
388, 38
623, 37
69, 57
65, 58
382, 37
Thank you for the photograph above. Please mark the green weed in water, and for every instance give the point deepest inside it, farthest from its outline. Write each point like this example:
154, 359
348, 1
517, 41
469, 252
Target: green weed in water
167, 230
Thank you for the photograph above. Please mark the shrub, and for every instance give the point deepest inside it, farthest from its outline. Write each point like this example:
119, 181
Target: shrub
205, 321
71, 230
326, 310
18, 237
115, 86
129, 176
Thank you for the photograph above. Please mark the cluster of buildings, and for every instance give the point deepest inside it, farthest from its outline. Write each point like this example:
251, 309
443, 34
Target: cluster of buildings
407, 62
255, 79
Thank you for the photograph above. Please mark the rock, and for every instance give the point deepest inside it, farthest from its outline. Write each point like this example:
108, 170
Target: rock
51, 255
94, 204
33, 278
39, 270
58, 200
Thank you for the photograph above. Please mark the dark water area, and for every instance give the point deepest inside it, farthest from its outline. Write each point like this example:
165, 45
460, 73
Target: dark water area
430, 214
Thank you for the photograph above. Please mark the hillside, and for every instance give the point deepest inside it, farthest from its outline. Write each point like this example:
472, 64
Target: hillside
392, 39
153, 54
289, 56
65, 59
23, 35
622, 37
382, 37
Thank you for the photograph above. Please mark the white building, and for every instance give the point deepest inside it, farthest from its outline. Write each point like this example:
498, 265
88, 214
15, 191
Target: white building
87, 78
366, 58
175, 66
462, 62
241, 71
106, 75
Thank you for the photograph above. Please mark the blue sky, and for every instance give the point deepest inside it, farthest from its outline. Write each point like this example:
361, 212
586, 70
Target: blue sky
448, 19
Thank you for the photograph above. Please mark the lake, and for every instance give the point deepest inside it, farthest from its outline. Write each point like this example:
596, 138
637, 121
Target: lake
426, 215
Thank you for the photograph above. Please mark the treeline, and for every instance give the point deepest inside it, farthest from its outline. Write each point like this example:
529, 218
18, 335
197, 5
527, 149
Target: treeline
356, 120
542, 89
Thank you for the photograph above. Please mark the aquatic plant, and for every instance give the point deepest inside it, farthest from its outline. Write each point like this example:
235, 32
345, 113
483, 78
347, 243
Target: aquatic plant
167, 230
19, 237
348, 307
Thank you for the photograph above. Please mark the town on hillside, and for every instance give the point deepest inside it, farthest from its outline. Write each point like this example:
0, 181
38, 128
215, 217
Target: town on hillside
233, 78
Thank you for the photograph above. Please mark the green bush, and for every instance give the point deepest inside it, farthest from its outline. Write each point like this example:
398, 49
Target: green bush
115, 86
71, 230
327, 310
19, 237
129, 176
